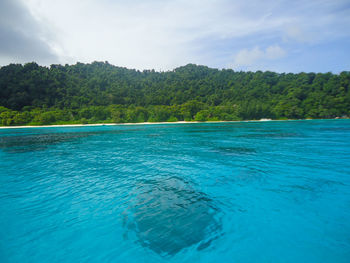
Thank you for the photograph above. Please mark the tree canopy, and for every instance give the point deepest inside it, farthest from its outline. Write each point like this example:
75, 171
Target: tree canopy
101, 92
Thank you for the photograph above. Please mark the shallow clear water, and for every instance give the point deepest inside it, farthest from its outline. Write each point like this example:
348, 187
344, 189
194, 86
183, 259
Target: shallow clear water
224, 192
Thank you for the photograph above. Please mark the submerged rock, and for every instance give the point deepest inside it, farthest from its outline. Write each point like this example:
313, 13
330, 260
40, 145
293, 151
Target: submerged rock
168, 215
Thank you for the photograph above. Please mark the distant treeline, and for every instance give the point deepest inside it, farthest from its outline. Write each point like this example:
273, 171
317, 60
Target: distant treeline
100, 92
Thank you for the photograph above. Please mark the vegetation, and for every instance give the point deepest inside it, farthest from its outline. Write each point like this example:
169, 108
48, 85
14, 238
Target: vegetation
100, 92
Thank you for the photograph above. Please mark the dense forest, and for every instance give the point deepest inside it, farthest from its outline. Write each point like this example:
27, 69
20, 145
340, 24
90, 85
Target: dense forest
100, 92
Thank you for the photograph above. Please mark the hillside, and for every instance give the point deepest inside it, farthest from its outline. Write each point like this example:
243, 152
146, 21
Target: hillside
100, 92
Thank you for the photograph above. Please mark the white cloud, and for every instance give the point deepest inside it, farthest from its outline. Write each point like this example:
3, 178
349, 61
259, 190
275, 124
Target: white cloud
274, 52
249, 57
294, 32
22, 38
164, 34
147, 34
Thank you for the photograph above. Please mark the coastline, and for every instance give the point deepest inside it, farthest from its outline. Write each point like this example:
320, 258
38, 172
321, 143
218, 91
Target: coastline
145, 123
112, 124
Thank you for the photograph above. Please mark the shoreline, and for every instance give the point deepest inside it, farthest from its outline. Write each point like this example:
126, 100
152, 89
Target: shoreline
147, 123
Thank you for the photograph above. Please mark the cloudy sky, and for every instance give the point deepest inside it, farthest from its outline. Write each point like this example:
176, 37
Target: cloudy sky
277, 35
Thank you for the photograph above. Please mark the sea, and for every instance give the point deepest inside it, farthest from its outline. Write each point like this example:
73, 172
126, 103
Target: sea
274, 191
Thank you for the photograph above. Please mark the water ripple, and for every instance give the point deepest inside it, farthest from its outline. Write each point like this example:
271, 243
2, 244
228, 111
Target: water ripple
228, 192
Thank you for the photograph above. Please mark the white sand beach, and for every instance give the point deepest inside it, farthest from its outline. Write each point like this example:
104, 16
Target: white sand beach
137, 123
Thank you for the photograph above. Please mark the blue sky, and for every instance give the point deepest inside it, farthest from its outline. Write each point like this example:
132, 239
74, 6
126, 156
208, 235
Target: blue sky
282, 36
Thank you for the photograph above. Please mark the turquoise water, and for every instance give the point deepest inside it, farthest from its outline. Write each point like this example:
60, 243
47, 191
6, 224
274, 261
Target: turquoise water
218, 192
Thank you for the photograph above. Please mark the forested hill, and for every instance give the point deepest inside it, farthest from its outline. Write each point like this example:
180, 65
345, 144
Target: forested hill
100, 92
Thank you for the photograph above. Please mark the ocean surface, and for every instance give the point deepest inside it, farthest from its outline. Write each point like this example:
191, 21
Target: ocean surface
203, 192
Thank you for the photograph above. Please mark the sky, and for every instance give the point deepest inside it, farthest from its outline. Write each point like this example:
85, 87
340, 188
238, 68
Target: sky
249, 35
